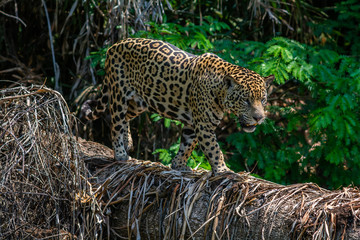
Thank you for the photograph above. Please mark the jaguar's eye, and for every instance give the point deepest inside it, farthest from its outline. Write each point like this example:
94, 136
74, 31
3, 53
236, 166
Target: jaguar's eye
247, 102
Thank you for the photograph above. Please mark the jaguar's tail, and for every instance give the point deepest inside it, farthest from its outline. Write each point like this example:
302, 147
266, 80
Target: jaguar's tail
99, 105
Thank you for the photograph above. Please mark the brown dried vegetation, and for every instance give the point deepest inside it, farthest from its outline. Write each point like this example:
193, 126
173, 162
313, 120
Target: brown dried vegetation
54, 186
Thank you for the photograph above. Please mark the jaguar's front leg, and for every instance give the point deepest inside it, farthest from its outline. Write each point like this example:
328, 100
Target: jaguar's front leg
128, 142
207, 140
187, 145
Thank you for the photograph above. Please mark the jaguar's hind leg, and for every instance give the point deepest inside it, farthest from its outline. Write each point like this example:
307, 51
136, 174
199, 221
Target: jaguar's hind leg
136, 106
119, 129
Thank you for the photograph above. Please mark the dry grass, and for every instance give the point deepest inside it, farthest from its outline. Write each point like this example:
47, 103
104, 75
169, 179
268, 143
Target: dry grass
39, 166
47, 191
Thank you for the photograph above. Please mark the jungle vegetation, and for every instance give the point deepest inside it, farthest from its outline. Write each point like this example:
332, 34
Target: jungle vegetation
312, 133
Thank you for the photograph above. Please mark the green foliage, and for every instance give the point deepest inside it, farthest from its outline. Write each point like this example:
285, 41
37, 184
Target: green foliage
97, 59
343, 31
313, 131
348, 24
166, 155
197, 158
187, 37
167, 122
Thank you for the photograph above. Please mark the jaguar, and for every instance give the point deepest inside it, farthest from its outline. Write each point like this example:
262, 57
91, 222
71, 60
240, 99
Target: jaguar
146, 74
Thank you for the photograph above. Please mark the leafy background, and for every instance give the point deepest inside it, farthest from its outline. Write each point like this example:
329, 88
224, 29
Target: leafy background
312, 48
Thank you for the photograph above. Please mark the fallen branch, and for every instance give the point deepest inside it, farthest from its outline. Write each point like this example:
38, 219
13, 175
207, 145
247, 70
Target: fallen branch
151, 201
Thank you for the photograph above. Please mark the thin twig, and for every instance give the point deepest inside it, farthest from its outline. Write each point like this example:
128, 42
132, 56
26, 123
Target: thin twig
15, 17
55, 65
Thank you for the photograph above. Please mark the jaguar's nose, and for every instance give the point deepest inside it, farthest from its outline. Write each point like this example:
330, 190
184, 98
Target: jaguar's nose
258, 118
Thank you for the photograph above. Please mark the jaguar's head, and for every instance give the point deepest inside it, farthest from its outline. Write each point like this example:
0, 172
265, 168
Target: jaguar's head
246, 97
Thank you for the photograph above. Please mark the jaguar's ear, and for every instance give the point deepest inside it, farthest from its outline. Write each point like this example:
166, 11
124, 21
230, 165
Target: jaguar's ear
269, 80
229, 81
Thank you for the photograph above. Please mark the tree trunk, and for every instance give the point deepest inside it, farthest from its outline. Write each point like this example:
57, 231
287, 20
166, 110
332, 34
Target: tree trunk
150, 201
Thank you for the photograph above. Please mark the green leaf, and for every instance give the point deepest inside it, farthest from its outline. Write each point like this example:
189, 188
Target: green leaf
335, 156
286, 55
155, 117
275, 50
167, 122
292, 65
284, 74
328, 56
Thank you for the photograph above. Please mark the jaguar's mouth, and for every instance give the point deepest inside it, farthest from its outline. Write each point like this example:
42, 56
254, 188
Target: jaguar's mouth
249, 127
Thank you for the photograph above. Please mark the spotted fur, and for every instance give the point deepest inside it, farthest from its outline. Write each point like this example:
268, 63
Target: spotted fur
145, 74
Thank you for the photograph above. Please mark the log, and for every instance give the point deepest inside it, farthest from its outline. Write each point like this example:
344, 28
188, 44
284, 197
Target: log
148, 200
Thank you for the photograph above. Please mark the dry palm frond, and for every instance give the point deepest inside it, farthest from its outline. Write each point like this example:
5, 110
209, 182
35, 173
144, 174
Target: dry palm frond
194, 205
